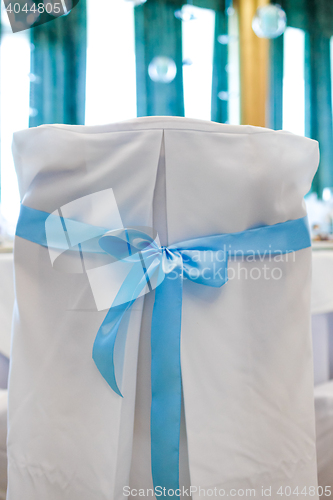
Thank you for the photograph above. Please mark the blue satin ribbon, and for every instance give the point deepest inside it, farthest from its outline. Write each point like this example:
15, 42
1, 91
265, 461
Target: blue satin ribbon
164, 268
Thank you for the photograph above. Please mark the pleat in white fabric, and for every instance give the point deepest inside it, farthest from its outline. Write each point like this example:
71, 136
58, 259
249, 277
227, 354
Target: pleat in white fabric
246, 355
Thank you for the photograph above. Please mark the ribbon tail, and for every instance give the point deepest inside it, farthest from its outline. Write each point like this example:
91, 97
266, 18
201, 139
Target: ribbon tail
104, 345
166, 380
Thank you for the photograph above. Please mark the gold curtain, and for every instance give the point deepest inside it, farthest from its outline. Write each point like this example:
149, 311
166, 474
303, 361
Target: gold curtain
253, 65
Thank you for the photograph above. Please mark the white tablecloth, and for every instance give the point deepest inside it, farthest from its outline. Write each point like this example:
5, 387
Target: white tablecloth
322, 281
322, 311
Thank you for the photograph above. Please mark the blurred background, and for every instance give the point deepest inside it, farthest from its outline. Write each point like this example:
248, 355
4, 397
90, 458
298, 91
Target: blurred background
238, 62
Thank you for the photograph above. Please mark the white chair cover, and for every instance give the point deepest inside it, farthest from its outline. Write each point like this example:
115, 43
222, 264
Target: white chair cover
246, 348
6, 302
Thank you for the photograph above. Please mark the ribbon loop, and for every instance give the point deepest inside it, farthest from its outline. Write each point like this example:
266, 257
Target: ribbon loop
124, 243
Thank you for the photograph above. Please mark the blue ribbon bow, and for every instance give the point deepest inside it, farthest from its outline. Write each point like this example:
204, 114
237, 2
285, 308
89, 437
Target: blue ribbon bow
165, 268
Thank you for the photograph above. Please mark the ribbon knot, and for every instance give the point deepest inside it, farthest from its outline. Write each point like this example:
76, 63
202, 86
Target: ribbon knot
170, 260
150, 264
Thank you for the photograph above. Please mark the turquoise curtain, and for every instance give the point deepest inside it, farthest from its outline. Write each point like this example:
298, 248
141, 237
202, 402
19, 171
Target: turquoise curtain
220, 73
312, 16
318, 112
275, 99
315, 17
158, 33
45, 17
58, 68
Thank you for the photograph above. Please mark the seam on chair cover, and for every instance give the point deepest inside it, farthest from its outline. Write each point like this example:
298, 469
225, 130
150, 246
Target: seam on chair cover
162, 127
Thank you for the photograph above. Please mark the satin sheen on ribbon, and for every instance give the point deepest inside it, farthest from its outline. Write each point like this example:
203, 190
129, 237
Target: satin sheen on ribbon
164, 268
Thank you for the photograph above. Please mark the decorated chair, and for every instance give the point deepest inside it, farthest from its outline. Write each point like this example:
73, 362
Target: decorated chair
162, 321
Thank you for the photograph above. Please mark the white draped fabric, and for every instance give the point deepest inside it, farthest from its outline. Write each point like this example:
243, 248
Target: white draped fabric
6, 301
3, 436
324, 432
248, 420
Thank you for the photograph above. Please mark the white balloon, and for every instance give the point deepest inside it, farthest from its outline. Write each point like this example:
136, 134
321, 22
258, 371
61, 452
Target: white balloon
269, 21
162, 69
185, 13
